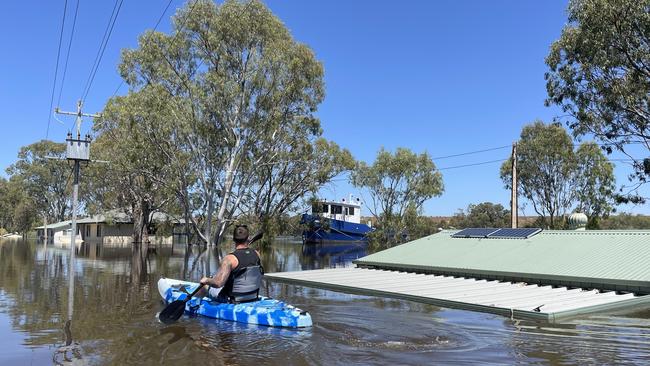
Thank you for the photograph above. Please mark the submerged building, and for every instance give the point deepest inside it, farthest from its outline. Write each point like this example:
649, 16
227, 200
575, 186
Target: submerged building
540, 274
113, 228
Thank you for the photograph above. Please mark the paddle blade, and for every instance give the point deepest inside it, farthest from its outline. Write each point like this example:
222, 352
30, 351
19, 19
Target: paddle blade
172, 312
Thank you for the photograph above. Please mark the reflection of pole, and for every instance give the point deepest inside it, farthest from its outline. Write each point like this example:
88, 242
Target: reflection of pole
45, 228
73, 236
75, 191
514, 215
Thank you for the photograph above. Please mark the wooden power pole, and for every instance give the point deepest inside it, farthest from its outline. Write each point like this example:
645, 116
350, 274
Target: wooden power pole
514, 214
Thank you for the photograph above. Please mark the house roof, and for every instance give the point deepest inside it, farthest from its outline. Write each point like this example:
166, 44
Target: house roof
57, 225
115, 217
615, 260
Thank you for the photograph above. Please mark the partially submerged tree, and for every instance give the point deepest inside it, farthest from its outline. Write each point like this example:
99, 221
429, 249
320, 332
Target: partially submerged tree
44, 180
600, 76
138, 176
241, 94
555, 179
397, 183
301, 167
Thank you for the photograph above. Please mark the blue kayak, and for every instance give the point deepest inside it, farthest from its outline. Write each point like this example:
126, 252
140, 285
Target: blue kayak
265, 311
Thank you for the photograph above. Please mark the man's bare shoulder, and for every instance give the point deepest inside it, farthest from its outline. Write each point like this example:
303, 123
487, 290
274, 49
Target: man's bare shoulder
230, 260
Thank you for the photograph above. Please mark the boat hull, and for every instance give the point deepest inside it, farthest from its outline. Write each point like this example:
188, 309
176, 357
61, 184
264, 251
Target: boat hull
321, 230
266, 311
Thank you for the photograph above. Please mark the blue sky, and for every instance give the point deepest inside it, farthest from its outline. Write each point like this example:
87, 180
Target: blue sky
445, 77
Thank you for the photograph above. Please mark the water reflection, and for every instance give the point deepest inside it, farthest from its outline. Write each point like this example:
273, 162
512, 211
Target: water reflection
112, 317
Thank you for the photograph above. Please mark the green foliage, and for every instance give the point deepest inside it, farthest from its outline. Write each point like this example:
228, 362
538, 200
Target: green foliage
6, 208
600, 74
234, 96
24, 216
555, 179
139, 176
625, 221
485, 214
44, 181
594, 182
398, 184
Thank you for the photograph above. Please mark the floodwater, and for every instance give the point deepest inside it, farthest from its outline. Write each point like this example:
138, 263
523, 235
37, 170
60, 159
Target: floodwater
115, 302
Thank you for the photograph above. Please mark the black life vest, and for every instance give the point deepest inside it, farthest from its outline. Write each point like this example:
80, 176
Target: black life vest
245, 280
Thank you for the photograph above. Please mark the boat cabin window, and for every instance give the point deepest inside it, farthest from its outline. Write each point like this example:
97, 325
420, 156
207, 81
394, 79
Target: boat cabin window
317, 208
337, 209
350, 211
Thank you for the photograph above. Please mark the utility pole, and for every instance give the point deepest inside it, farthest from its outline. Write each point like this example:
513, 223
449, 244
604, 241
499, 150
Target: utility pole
514, 214
77, 150
45, 228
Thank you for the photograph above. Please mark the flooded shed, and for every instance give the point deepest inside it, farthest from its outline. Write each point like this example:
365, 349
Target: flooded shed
518, 272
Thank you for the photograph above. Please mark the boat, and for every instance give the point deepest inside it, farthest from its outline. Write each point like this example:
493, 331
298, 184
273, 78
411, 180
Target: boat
265, 311
332, 221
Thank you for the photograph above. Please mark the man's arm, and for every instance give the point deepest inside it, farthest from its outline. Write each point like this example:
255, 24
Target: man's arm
222, 276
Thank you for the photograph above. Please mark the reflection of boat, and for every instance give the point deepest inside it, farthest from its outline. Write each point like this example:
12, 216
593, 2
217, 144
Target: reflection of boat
334, 221
337, 252
264, 311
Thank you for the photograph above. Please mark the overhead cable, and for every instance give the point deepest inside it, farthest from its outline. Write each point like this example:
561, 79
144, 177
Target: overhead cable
56, 71
67, 56
154, 29
102, 47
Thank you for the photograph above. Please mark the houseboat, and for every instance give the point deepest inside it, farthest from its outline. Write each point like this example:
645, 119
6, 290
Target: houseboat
332, 221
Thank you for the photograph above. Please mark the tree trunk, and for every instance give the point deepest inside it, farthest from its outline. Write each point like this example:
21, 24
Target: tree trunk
208, 223
225, 194
141, 214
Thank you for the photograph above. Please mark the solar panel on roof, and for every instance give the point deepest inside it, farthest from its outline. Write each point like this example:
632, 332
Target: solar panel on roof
474, 233
518, 233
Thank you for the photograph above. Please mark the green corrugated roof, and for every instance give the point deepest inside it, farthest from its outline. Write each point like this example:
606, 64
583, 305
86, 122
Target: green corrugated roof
618, 260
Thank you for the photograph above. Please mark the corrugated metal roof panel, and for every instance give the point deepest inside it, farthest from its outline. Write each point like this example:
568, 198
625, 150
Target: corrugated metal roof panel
514, 299
618, 260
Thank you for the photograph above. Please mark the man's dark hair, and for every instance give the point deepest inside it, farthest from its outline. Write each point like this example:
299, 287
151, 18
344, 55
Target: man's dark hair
240, 234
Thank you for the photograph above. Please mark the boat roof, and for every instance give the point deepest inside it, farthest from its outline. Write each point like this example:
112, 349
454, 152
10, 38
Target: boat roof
342, 203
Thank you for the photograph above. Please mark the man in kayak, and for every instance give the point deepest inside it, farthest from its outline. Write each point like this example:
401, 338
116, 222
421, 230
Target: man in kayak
240, 273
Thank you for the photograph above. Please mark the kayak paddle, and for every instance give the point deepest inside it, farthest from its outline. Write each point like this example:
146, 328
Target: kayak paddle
176, 308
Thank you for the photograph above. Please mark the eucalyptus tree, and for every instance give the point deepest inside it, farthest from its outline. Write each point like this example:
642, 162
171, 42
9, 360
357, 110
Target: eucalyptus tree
302, 164
237, 82
555, 179
484, 214
398, 184
600, 76
43, 179
136, 176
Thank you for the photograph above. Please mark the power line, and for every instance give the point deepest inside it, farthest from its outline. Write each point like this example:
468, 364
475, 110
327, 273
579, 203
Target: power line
162, 15
56, 70
67, 56
473, 164
102, 47
156, 27
471, 152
